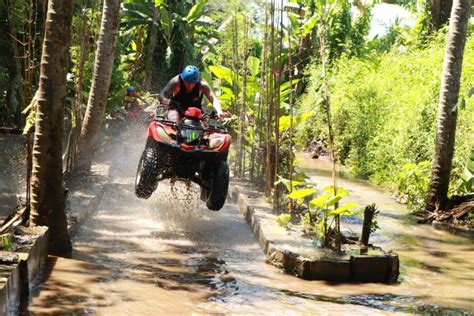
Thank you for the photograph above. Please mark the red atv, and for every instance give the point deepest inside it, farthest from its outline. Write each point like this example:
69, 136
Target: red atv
120, 119
191, 149
139, 115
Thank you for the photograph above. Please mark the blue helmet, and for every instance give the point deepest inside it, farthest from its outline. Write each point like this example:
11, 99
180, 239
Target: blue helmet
130, 89
190, 74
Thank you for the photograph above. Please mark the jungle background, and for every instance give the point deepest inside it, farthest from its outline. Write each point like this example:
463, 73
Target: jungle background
296, 75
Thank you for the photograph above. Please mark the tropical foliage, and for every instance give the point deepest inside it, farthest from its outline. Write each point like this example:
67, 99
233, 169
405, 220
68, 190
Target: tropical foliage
385, 108
290, 73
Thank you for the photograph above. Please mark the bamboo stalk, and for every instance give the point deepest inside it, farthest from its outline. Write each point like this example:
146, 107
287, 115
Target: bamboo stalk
326, 98
269, 178
235, 88
76, 118
243, 110
279, 71
290, 77
263, 99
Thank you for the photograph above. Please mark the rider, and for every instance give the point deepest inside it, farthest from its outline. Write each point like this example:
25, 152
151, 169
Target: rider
188, 89
131, 100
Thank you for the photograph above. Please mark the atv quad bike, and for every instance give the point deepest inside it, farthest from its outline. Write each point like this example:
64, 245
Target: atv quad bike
191, 149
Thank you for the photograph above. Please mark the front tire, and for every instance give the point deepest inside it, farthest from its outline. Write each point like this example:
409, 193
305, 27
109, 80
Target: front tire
219, 188
146, 179
204, 194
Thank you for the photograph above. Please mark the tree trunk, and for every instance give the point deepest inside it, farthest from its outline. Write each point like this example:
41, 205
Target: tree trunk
446, 7
440, 12
369, 213
435, 14
47, 192
16, 51
448, 98
101, 78
178, 48
161, 73
70, 156
151, 45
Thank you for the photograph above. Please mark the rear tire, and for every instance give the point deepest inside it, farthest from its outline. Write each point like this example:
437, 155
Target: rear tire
219, 188
146, 179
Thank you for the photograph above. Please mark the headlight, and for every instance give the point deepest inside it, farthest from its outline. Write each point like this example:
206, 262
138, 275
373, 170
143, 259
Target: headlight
216, 143
162, 134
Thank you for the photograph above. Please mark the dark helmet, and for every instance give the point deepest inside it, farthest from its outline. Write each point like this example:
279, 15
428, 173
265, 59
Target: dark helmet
190, 74
130, 89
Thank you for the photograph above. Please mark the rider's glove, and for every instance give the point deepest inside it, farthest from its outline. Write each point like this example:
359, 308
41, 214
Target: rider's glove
222, 116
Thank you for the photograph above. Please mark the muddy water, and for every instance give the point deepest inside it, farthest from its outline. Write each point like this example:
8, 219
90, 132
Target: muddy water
170, 255
436, 265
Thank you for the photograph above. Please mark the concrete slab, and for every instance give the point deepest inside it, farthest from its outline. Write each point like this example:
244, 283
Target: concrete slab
303, 257
17, 279
10, 288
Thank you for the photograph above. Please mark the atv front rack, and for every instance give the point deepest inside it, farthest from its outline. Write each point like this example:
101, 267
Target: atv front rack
177, 125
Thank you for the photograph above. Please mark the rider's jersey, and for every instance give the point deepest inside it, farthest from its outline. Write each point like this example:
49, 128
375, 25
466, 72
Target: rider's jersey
188, 99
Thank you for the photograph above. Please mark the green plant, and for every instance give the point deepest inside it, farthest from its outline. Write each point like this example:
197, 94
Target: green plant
413, 182
298, 196
466, 182
6, 243
471, 215
326, 208
306, 220
283, 219
321, 212
298, 181
374, 225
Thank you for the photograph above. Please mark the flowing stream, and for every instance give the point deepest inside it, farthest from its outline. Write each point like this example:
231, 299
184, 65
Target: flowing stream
169, 254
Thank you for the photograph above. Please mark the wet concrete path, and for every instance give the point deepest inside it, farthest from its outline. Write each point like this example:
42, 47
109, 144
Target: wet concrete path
157, 258
170, 255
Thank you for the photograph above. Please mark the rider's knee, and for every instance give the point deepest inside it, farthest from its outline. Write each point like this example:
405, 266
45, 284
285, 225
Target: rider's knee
173, 115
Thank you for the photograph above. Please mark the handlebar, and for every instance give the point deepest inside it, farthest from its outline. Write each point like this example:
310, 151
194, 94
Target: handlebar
211, 127
182, 109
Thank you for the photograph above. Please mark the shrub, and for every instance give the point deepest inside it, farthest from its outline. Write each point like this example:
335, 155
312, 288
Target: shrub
283, 219
385, 111
413, 182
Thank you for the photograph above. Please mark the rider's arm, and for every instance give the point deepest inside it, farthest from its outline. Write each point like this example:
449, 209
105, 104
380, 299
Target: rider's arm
171, 88
206, 89
143, 99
